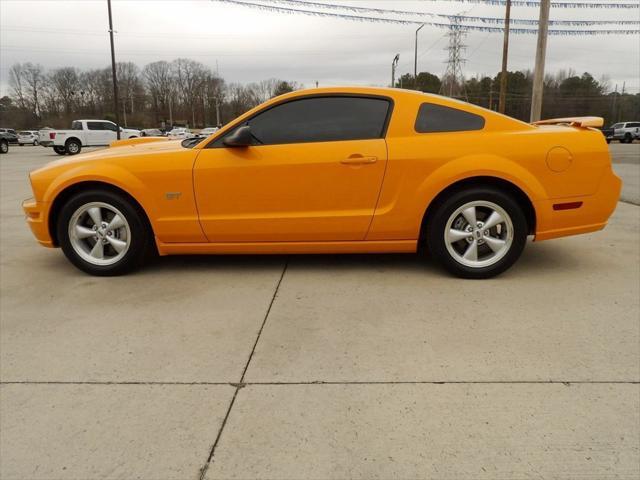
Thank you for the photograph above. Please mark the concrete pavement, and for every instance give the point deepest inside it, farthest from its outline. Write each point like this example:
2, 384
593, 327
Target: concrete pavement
319, 366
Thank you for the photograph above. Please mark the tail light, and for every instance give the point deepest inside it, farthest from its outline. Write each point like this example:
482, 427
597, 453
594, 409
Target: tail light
52, 136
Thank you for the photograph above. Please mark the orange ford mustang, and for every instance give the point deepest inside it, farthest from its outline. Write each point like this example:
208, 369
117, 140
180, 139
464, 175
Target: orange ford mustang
333, 170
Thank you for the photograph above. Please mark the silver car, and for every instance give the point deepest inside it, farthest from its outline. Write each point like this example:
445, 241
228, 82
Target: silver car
28, 137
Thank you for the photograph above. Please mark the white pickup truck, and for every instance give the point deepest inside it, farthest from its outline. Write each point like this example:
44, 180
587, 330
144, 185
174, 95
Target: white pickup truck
83, 133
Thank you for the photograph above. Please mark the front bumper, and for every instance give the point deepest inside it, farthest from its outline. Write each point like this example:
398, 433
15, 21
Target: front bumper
36, 215
592, 215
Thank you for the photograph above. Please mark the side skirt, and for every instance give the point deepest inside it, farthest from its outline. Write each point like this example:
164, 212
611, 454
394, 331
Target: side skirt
266, 248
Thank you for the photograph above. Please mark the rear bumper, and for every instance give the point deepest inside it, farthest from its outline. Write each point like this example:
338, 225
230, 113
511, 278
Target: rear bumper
36, 216
592, 215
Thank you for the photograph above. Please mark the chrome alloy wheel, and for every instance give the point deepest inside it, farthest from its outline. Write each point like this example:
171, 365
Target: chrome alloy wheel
99, 233
478, 234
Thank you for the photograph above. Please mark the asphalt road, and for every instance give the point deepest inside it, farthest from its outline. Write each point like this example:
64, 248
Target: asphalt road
626, 163
319, 366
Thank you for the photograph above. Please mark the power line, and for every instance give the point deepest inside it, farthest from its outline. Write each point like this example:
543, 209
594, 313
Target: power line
465, 18
481, 28
536, 4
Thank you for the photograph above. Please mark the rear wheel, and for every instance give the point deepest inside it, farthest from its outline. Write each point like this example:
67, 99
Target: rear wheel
103, 233
60, 150
4, 146
477, 233
628, 138
73, 146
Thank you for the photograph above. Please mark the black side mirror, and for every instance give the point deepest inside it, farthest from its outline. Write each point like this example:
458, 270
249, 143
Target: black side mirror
240, 138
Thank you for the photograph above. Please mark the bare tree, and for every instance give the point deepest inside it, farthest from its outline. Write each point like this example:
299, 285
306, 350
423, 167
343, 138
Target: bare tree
65, 84
160, 83
190, 76
16, 81
34, 79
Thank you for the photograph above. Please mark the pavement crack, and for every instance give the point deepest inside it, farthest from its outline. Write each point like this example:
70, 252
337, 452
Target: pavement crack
241, 383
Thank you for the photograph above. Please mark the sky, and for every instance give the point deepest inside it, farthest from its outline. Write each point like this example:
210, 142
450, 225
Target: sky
247, 45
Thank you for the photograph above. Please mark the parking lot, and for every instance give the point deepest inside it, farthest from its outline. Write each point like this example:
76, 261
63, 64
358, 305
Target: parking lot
355, 366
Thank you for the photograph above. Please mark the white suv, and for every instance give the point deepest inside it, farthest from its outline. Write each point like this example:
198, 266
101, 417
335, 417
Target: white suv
626, 132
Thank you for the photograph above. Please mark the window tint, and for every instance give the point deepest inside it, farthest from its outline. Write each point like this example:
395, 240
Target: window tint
95, 126
76, 125
633, 124
109, 126
321, 119
437, 118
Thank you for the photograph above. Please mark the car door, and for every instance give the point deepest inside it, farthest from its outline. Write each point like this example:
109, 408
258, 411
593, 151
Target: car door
314, 173
97, 133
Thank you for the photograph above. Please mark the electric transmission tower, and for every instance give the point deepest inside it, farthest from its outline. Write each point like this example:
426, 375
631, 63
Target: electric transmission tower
452, 83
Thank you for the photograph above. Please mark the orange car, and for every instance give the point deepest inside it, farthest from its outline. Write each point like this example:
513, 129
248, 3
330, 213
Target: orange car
333, 170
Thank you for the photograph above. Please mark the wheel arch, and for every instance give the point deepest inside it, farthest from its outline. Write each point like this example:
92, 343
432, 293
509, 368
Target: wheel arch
73, 138
70, 190
512, 189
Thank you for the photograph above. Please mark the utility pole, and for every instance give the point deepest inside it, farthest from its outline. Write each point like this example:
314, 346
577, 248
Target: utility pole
415, 60
541, 51
124, 111
394, 64
113, 71
505, 52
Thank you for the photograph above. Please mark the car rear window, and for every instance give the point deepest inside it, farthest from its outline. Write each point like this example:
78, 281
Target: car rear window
438, 118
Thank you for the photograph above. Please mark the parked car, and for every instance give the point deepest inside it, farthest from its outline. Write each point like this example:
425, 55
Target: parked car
28, 137
151, 132
11, 135
333, 170
205, 132
608, 133
180, 132
626, 132
83, 133
4, 142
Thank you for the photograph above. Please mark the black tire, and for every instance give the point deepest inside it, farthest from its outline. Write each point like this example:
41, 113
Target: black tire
608, 140
4, 146
36, 143
73, 146
60, 150
436, 226
21, 144
628, 138
140, 241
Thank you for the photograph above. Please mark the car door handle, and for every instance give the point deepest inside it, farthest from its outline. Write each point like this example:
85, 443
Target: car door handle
359, 160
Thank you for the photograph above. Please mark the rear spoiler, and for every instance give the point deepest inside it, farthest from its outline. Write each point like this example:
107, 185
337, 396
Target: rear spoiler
582, 122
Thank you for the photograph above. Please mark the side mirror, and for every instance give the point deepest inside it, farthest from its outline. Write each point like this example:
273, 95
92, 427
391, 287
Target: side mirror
240, 138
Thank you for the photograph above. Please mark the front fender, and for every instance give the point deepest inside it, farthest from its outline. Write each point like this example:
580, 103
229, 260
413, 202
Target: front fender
108, 174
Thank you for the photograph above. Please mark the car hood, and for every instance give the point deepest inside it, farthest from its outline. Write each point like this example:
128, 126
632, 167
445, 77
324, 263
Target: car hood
162, 145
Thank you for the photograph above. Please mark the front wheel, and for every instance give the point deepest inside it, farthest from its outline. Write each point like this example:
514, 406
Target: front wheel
477, 232
60, 150
4, 146
628, 138
36, 143
103, 233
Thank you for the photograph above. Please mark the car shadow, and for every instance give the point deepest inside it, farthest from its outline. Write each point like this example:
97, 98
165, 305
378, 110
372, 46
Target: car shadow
537, 259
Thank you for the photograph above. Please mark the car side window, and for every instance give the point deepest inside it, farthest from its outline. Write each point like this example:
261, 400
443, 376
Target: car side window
94, 126
109, 126
434, 118
320, 119
76, 125
633, 124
